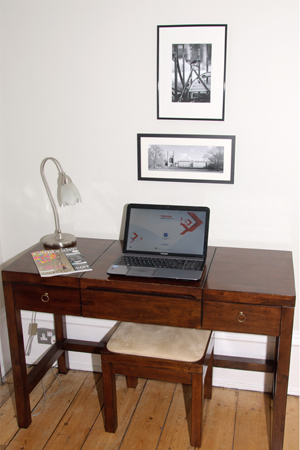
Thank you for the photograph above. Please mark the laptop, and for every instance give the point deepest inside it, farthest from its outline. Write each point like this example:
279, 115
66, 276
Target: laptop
163, 241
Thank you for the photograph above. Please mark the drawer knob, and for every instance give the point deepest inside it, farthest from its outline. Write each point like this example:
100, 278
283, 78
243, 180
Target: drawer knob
45, 297
241, 317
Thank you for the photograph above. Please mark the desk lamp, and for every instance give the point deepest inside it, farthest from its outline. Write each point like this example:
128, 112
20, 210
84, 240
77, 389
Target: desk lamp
67, 194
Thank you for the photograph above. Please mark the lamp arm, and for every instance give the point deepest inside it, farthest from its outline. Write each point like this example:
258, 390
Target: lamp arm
60, 170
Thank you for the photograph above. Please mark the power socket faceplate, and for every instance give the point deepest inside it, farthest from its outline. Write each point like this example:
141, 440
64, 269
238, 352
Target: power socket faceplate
45, 336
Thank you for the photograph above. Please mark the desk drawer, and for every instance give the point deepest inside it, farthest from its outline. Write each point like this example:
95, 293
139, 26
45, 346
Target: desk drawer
241, 318
50, 299
142, 308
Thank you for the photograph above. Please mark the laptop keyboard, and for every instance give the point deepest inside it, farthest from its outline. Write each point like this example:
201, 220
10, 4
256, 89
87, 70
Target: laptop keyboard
167, 263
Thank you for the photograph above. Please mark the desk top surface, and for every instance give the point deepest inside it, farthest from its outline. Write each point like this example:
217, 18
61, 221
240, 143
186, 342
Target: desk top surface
231, 274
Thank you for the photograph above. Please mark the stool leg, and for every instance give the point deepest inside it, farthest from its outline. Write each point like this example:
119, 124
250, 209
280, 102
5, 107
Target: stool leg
208, 377
110, 397
131, 382
197, 404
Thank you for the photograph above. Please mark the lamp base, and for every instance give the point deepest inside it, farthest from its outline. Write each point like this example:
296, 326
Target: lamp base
59, 240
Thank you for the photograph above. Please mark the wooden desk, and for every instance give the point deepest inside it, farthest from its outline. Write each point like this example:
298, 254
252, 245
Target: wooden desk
242, 290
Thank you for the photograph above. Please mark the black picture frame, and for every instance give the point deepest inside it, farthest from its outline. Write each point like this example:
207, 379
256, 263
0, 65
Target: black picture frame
191, 72
186, 158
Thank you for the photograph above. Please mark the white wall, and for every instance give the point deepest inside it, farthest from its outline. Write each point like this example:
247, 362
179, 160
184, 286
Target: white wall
78, 82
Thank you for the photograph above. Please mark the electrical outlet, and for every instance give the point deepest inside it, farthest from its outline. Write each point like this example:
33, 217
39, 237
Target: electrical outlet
45, 336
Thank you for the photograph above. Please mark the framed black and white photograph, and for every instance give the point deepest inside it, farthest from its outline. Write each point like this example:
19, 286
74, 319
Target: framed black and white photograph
187, 158
191, 66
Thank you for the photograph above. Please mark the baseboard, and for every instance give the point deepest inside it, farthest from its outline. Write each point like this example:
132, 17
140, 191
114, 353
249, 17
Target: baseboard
233, 344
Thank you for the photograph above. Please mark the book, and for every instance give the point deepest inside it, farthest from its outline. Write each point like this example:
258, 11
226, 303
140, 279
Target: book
60, 262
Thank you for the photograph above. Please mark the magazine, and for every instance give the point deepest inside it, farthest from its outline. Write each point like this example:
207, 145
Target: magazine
59, 262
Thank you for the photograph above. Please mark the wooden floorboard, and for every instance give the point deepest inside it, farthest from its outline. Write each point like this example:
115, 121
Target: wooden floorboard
253, 421
154, 416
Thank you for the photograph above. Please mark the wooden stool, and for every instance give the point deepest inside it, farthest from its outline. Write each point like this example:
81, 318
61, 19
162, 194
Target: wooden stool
178, 355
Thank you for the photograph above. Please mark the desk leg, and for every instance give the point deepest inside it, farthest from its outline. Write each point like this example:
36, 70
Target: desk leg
15, 333
61, 335
275, 366
282, 377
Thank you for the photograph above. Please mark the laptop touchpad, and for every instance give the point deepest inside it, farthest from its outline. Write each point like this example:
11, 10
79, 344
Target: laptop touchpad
141, 272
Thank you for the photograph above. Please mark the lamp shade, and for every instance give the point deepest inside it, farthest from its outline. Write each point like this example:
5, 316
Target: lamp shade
67, 192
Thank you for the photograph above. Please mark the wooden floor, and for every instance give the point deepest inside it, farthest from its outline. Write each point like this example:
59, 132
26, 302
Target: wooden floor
154, 416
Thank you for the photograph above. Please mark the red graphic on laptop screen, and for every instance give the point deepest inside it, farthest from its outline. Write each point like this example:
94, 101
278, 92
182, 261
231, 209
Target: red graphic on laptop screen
190, 226
134, 238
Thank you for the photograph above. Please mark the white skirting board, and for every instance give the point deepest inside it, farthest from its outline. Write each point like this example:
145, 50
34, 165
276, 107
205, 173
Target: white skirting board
233, 344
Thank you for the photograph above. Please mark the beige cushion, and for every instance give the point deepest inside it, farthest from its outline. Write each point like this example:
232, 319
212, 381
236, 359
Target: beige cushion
155, 341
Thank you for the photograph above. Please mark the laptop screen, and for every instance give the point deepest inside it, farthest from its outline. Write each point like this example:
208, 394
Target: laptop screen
166, 230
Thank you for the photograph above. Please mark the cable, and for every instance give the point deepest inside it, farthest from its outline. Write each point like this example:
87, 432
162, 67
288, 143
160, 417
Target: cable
31, 336
45, 398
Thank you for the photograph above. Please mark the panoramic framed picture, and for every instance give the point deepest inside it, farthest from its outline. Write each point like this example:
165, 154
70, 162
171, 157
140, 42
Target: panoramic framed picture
191, 67
187, 158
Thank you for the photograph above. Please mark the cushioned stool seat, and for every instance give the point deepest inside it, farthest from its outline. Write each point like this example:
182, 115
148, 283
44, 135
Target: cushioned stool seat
159, 353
